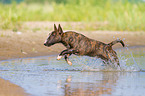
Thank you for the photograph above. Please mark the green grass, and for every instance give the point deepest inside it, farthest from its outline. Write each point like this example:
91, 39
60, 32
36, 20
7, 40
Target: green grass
111, 15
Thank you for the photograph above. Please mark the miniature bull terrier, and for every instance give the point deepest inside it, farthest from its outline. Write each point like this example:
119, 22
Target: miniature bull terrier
81, 45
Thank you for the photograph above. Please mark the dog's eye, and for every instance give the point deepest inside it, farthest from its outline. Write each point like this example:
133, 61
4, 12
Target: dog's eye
53, 34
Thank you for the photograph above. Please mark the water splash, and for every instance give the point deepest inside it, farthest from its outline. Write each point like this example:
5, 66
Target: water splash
79, 63
128, 62
126, 58
85, 63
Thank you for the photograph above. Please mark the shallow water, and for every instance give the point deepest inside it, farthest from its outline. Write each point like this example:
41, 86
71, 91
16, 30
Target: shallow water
45, 76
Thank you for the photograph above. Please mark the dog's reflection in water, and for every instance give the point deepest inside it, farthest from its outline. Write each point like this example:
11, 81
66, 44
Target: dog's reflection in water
97, 88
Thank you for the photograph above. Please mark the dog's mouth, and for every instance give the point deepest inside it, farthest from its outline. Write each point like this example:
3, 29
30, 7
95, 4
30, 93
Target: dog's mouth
45, 44
48, 45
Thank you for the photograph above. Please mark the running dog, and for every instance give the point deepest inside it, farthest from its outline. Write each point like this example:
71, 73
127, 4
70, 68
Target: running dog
79, 44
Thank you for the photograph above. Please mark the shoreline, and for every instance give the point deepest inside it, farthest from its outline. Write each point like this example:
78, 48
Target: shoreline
21, 45
35, 56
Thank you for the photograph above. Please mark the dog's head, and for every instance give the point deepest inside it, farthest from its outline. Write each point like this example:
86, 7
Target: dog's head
54, 37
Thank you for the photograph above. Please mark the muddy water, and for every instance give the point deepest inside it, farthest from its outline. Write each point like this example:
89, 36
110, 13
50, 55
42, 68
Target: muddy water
45, 76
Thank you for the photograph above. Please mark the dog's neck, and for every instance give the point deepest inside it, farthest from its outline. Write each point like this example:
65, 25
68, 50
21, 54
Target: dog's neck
65, 43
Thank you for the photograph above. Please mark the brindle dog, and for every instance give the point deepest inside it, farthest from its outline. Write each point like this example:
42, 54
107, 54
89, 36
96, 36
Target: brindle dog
79, 44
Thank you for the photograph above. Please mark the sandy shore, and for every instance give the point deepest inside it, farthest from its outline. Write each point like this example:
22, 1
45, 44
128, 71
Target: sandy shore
9, 89
30, 43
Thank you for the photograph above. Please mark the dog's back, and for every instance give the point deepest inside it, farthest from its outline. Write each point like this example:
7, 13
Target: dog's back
83, 44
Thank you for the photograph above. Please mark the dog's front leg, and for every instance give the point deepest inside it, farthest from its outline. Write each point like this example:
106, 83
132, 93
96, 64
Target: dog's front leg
66, 59
60, 55
67, 53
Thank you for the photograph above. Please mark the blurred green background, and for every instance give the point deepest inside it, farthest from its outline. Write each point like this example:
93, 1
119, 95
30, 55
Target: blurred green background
114, 15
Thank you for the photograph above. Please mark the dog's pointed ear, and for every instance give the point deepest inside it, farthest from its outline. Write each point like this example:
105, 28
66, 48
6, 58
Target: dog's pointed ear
60, 29
55, 29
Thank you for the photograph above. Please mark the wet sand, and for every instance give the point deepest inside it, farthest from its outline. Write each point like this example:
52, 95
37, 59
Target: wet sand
9, 89
30, 44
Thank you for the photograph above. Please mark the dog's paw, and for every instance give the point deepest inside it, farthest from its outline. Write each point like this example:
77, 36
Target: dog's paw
59, 57
69, 63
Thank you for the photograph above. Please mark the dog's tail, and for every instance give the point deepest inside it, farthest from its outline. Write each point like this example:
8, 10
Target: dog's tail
116, 41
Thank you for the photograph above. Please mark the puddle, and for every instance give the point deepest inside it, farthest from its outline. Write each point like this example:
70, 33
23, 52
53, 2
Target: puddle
45, 76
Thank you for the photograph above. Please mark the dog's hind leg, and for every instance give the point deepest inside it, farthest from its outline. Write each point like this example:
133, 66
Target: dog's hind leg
114, 60
117, 61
